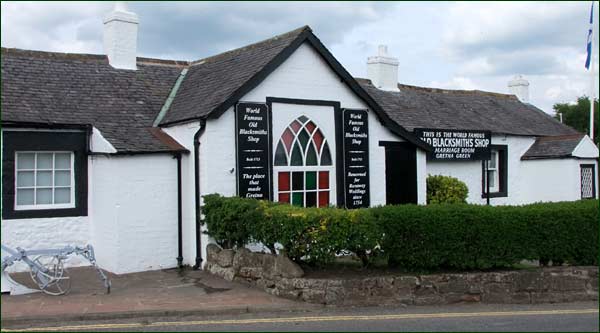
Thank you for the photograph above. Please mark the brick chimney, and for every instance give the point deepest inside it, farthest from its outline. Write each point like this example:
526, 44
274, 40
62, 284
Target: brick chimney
120, 37
382, 70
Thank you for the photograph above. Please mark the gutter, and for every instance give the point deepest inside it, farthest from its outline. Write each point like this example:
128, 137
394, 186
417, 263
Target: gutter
198, 264
179, 214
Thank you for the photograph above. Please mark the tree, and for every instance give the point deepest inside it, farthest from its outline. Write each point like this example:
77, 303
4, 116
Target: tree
578, 115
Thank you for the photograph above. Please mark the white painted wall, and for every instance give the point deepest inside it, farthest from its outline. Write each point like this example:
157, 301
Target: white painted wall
528, 181
586, 148
134, 210
184, 134
46, 233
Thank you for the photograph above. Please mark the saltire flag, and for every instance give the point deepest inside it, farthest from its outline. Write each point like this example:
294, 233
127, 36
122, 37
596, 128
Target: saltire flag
589, 39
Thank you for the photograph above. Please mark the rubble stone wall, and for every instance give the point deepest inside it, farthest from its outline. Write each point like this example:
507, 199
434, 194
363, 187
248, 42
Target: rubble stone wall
280, 276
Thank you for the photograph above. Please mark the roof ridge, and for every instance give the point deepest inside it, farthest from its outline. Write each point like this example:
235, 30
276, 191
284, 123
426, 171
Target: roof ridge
250, 46
86, 56
446, 91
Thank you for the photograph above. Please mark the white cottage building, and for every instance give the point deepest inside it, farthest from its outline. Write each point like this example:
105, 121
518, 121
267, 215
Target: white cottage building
117, 150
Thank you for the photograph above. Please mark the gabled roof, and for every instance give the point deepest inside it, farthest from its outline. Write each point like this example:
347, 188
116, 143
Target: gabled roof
417, 107
214, 84
553, 147
46, 88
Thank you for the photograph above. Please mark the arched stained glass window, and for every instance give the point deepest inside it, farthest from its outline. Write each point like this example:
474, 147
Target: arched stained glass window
302, 143
303, 164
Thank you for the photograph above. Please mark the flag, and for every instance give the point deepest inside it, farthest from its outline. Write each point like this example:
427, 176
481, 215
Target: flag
589, 39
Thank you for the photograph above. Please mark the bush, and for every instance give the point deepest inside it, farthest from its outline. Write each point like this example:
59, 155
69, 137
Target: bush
458, 236
446, 189
228, 219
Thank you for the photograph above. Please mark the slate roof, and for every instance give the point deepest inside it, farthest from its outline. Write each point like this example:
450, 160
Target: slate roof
211, 81
417, 107
553, 147
57, 88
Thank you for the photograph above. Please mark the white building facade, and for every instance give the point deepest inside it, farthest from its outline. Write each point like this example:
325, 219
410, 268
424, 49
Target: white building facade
123, 160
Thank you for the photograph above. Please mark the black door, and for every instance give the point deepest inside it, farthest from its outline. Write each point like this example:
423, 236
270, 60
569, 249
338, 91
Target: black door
400, 173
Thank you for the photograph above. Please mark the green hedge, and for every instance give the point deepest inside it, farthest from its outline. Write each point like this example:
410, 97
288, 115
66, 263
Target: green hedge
446, 189
458, 236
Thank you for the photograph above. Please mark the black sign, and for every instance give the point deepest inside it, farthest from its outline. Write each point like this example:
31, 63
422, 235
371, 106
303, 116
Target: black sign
253, 150
356, 158
456, 145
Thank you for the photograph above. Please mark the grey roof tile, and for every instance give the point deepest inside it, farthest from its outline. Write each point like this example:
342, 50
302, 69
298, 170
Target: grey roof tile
59, 88
553, 147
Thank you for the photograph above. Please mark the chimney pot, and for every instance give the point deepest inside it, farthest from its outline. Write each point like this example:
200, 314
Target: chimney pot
120, 37
382, 70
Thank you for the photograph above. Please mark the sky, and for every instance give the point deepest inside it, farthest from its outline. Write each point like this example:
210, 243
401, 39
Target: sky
452, 45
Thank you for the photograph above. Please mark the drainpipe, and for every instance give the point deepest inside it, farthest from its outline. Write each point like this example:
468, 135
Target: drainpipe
198, 264
179, 214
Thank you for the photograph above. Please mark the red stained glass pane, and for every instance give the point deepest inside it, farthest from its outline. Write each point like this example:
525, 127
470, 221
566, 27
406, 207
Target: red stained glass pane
287, 138
323, 179
323, 198
318, 138
284, 197
295, 126
311, 127
284, 181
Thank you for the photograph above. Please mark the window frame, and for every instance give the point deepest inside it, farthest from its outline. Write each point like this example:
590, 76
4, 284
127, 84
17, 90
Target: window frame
73, 139
304, 168
587, 166
35, 187
501, 170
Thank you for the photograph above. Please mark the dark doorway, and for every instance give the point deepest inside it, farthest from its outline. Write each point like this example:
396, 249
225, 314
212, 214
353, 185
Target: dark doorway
400, 173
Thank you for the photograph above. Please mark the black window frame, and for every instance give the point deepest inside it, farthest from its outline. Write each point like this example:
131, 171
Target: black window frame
593, 167
74, 141
502, 173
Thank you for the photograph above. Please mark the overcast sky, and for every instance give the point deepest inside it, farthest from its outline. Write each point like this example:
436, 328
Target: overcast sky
448, 45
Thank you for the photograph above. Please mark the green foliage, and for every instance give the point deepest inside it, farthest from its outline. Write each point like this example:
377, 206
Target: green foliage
443, 236
446, 189
228, 219
578, 115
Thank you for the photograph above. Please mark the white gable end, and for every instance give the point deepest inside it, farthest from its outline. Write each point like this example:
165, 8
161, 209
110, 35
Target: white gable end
586, 148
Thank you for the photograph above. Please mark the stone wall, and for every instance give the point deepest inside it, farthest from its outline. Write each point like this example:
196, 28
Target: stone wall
280, 276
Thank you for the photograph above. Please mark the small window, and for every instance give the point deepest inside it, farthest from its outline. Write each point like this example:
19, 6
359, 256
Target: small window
44, 180
588, 181
496, 173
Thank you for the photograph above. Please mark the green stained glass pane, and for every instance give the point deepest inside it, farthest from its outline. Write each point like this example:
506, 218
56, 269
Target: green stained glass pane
296, 155
303, 119
311, 180
326, 155
298, 199
311, 155
280, 157
303, 138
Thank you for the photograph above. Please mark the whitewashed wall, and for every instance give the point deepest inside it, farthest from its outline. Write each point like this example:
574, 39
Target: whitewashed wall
134, 212
528, 181
305, 75
184, 134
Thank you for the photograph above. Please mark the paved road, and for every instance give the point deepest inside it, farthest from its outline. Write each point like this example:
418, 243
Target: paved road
552, 317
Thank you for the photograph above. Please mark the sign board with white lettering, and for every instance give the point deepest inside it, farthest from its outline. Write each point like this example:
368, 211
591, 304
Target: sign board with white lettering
456, 145
253, 150
356, 158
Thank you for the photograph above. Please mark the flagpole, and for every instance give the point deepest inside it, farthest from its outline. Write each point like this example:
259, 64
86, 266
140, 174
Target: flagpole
592, 77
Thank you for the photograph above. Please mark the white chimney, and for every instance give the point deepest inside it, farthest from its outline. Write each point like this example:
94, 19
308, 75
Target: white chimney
520, 87
120, 37
382, 70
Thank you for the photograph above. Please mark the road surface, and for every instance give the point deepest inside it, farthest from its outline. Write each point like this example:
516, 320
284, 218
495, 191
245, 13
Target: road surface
549, 317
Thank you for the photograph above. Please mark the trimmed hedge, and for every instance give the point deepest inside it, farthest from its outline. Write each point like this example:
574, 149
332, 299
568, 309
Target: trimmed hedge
446, 189
458, 236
